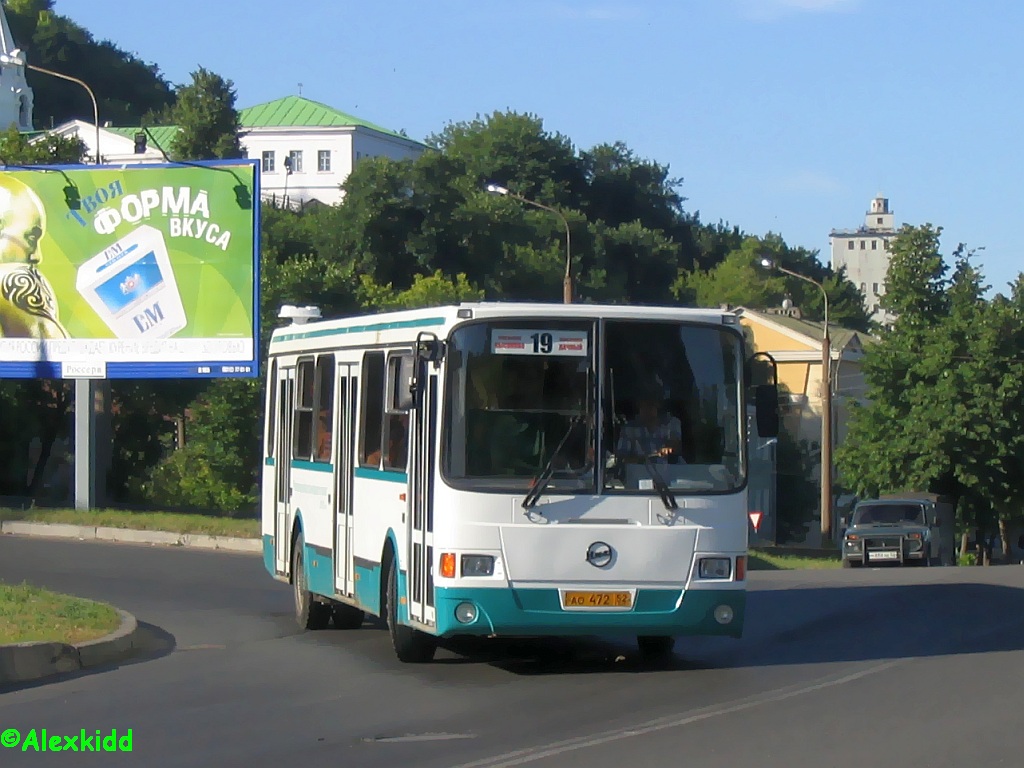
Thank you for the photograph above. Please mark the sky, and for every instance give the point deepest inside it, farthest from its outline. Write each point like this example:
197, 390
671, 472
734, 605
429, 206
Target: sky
781, 116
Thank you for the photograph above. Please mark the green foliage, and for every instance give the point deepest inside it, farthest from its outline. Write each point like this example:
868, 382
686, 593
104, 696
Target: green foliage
125, 87
946, 388
15, 149
217, 469
208, 121
797, 495
433, 291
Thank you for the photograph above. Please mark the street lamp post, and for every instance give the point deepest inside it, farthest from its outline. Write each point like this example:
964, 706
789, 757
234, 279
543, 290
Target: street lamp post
826, 407
16, 59
567, 280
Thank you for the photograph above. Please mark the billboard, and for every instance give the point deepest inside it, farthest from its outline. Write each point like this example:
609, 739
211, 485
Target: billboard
134, 271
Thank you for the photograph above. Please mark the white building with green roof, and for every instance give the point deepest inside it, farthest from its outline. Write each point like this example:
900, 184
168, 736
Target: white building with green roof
306, 149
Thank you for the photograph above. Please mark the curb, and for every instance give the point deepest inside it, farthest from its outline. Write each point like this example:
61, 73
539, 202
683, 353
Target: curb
24, 662
129, 535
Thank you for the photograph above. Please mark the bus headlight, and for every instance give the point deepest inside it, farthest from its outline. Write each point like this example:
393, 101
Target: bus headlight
715, 568
477, 565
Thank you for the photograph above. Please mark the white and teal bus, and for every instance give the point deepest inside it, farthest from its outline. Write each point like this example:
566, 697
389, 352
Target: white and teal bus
477, 470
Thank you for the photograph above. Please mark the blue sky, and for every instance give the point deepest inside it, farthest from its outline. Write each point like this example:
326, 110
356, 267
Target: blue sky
782, 116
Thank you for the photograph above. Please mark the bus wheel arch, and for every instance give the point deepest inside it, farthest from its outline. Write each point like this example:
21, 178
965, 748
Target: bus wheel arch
411, 645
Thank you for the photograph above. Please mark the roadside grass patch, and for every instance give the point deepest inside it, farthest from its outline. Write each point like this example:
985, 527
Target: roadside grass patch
31, 614
173, 522
770, 561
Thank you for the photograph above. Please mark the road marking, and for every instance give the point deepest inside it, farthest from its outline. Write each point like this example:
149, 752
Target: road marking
532, 754
420, 737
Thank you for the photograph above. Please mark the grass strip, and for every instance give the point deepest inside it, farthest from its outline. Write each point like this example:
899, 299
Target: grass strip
766, 561
31, 614
173, 522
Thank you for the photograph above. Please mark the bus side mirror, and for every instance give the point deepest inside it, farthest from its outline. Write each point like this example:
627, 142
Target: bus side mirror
766, 403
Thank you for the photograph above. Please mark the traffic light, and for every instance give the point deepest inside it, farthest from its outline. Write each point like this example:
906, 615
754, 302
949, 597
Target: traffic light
140, 143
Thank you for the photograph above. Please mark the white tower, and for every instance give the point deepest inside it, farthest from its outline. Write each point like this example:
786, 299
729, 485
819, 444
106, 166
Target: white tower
865, 254
15, 95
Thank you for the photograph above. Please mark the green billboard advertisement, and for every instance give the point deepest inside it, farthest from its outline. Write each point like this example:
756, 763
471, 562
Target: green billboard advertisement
134, 271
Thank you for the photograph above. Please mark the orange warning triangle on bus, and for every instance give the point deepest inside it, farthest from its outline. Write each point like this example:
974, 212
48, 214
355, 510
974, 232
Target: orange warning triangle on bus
755, 519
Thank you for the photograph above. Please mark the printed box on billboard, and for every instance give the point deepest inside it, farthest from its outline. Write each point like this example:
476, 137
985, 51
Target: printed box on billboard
150, 270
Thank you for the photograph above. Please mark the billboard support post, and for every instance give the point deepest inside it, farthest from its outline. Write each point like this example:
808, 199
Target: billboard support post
85, 442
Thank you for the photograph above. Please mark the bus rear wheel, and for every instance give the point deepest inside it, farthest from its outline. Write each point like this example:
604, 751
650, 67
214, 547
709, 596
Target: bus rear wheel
309, 613
411, 646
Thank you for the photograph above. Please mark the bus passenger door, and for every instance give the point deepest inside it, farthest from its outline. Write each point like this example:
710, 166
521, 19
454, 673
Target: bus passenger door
283, 468
345, 430
422, 461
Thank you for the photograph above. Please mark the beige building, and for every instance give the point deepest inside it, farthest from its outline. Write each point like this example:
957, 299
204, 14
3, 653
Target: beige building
796, 346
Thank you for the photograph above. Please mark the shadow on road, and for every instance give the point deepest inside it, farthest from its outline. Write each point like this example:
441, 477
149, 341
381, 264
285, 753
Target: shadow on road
154, 643
818, 625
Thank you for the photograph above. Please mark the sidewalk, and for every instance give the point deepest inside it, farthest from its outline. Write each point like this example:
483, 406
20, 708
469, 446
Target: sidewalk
132, 536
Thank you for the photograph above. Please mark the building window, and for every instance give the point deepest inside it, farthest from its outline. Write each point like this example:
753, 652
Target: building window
874, 245
294, 161
862, 245
874, 288
850, 244
323, 160
268, 162
879, 220
863, 287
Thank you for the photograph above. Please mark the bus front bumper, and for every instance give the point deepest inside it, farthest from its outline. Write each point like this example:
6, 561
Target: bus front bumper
537, 612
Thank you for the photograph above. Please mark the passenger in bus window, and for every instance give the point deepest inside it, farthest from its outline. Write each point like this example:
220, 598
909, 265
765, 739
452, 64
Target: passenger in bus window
323, 441
398, 444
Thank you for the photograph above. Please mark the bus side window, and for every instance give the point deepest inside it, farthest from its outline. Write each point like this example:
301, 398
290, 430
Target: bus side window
302, 441
396, 450
372, 412
325, 406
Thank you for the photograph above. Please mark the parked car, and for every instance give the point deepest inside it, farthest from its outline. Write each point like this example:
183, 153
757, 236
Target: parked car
909, 529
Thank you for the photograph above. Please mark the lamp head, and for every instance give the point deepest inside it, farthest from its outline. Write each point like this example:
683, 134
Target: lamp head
767, 263
494, 189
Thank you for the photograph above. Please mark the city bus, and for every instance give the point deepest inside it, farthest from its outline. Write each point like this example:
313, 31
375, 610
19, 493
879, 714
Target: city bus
484, 469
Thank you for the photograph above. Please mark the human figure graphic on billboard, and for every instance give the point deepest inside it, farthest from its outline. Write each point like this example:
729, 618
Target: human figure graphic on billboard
28, 307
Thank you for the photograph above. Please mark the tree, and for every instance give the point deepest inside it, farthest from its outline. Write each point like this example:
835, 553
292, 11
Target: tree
15, 149
125, 87
207, 119
945, 399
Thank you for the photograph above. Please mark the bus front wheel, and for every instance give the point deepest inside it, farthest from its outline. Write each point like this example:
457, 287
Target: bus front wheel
309, 613
411, 646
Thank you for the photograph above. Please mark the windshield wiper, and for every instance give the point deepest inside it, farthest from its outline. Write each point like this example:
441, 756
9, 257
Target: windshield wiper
534, 494
660, 485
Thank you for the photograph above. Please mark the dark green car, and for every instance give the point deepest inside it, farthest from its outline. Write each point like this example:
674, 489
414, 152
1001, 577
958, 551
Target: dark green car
900, 531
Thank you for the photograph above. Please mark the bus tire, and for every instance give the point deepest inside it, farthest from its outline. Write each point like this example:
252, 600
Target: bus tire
309, 613
655, 648
411, 646
347, 616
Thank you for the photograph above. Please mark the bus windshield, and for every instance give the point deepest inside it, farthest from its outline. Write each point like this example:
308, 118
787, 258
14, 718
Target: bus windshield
672, 394
658, 401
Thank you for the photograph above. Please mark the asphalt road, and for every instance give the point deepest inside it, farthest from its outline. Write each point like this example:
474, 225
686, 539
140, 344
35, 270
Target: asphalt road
913, 667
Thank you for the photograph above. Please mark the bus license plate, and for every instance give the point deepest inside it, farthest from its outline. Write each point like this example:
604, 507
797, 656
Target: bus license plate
597, 600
